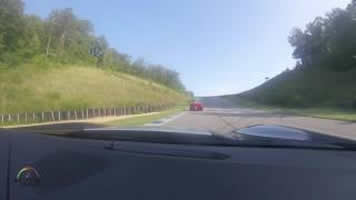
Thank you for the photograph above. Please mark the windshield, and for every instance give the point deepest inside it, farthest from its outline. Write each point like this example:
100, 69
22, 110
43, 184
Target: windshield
207, 68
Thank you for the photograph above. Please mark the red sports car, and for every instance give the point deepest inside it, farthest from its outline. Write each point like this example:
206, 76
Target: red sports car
196, 106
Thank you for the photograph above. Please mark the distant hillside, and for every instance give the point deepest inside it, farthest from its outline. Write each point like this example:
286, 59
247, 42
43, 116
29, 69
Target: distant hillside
325, 72
307, 88
42, 66
35, 88
63, 38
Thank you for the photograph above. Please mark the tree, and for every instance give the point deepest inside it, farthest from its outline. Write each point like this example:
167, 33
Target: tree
316, 42
11, 26
298, 40
328, 41
98, 49
340, 31
67, 36
30, 44
138, 67
66, 39
2, 42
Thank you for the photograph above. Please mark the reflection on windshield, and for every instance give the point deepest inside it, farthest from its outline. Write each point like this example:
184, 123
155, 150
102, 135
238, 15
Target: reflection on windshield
276, 132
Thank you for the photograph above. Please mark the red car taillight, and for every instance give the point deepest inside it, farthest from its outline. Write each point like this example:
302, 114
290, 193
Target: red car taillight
196, 107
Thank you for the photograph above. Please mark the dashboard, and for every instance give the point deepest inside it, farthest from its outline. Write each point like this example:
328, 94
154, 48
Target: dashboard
72, 168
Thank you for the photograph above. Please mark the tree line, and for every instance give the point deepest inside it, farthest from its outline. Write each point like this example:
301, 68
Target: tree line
64, 38
324, 74
328, 42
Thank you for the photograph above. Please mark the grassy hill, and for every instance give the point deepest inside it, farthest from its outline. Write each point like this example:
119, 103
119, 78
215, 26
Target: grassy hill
309, 92
314, 87
31, 88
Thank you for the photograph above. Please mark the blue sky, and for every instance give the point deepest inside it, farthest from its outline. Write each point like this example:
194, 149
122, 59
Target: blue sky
218, 47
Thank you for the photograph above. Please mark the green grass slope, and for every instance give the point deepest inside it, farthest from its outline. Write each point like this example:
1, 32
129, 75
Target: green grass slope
312, 87
31, 88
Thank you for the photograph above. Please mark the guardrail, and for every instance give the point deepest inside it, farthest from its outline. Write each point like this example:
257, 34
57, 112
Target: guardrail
79, 114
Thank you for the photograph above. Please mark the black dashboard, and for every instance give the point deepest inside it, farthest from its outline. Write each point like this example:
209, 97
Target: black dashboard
73, 168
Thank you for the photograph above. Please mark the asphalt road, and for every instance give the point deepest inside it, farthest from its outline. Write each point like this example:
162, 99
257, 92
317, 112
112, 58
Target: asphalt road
222, 116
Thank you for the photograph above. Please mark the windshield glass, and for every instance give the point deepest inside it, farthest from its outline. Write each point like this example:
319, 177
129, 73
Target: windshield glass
214, 69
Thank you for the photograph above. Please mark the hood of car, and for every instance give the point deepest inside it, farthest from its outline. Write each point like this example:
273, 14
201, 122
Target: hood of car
274, 132
288, 135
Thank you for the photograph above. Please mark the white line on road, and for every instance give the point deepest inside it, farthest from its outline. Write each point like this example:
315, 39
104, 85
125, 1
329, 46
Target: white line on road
163, 121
